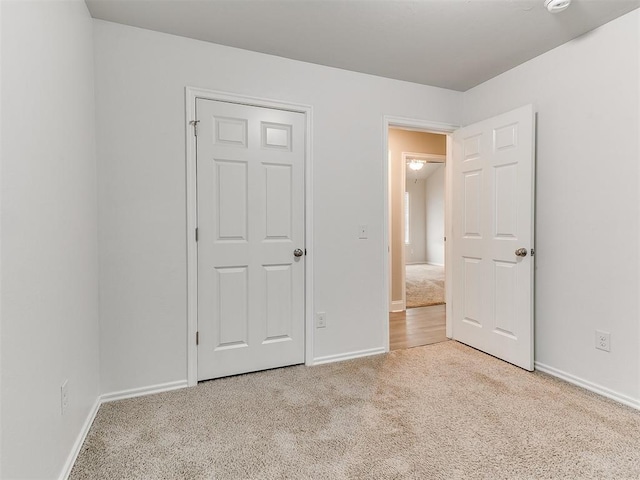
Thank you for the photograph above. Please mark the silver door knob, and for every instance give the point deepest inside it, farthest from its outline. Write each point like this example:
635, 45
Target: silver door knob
297, 252
521, 252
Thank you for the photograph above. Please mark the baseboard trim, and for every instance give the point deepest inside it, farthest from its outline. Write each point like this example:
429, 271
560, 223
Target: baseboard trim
77, 446
397, 306
426, 263
139, 392
592, 387
111, 397
348, 356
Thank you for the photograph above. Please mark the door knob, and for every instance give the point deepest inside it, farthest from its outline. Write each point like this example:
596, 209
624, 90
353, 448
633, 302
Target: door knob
297, 252
521, 252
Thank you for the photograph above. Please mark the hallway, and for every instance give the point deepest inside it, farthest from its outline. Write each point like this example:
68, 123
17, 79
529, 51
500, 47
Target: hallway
417, 326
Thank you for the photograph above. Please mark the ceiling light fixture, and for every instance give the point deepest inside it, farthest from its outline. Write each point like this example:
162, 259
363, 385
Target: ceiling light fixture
416, 165
555, 6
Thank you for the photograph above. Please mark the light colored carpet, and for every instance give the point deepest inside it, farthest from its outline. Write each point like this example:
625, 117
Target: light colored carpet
425, 285
443, 411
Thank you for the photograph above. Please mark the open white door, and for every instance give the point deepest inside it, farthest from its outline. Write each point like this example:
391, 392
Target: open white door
493, 234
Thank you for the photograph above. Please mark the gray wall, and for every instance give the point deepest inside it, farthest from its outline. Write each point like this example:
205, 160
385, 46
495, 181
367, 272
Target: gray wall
434, 199
140, 81
49, 294
416, 252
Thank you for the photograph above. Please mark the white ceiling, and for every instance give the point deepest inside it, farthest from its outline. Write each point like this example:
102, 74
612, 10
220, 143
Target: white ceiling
454, 44
424, 173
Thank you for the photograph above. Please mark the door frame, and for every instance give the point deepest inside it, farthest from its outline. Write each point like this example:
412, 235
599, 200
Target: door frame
403, 187
191, 95
425, 126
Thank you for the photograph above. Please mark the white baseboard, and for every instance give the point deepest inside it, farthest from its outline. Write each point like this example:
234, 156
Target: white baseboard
592, 387
77, 446
110, 397
348, 356
397, 306
139, 392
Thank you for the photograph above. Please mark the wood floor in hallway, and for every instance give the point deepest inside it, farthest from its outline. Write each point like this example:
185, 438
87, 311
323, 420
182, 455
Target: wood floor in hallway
417, 326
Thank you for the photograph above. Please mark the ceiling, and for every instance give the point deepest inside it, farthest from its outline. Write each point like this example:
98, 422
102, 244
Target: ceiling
454, 44
424, 173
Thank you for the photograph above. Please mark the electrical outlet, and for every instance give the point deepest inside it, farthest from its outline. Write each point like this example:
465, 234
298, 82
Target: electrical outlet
603, 341
321, 320
64, 397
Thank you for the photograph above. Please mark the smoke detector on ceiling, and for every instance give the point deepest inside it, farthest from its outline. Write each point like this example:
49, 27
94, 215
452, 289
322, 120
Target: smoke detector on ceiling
555, 6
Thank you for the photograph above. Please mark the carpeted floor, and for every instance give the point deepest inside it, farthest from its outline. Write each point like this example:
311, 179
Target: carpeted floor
424, 285
443, 411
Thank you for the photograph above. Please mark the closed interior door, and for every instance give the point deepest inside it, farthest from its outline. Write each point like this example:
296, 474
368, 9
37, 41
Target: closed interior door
250, 187
493, 188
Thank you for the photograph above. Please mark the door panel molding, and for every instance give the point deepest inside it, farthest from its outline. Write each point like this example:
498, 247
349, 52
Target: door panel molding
275, 136
493, 181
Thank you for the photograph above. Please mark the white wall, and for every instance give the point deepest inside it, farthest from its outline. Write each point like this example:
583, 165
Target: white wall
140, 81
434, 198
587, 203
416, 251
1, 69
49, 252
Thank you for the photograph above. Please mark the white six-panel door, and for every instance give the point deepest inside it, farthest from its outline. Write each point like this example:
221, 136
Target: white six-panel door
250, 190
493, 208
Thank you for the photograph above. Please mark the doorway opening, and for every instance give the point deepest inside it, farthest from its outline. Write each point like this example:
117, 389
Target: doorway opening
489, 225
417, 313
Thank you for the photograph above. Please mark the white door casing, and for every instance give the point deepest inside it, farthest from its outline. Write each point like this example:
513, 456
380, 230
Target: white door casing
493, 188
250, 201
